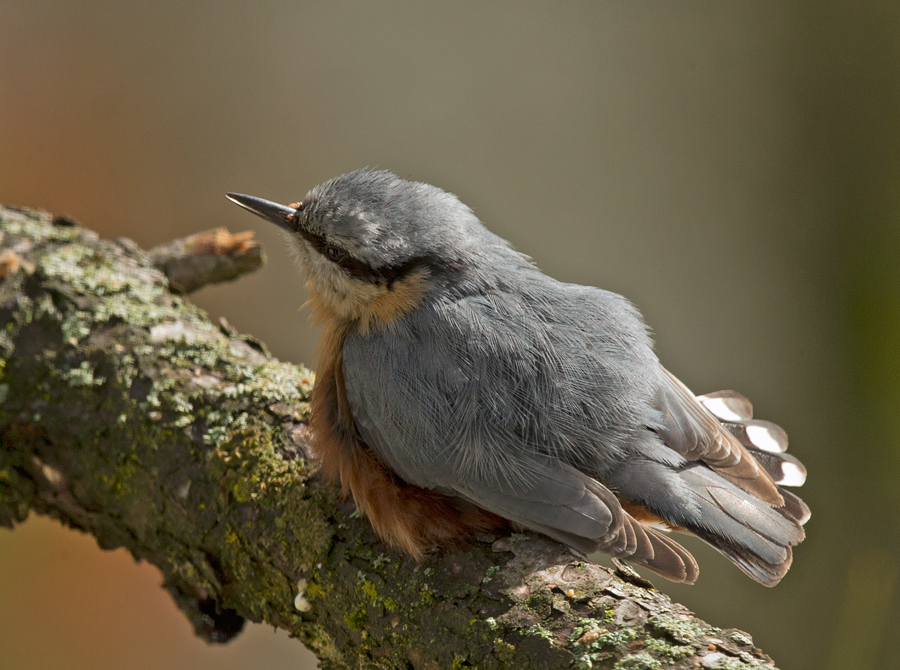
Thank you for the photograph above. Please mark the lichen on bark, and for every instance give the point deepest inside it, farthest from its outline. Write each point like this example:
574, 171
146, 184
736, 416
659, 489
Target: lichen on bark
126, 413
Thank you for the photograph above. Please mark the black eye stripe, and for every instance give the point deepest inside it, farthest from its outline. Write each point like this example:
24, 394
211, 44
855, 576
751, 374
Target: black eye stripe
353, 266
356, 268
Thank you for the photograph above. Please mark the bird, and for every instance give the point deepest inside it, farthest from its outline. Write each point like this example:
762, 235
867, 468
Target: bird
461, 391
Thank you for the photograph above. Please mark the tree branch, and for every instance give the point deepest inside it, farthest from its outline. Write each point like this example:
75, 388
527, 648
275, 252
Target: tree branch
126, 413
210, 257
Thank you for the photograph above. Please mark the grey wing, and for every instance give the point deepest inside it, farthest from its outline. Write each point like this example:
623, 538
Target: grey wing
696, 433
728, 491
421, 405
575, 509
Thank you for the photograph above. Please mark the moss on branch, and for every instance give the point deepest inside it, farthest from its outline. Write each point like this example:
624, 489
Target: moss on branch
126, 413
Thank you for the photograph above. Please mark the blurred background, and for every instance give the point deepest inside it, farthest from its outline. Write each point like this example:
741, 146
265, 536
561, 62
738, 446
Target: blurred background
733, 168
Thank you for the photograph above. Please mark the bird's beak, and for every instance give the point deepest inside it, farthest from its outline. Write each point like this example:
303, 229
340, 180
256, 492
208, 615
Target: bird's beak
280, 215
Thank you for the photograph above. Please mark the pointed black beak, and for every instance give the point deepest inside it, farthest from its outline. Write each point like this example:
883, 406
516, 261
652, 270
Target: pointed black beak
280, 215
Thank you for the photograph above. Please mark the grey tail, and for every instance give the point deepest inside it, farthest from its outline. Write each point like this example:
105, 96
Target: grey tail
767, 556
756, 537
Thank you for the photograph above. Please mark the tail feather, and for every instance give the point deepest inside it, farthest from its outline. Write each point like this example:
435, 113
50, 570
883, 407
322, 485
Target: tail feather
755, 536
785, 469
794, 508
767, 574
758, 434
767, 442
728, 405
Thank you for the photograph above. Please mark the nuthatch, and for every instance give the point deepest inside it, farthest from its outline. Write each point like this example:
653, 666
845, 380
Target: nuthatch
460, 389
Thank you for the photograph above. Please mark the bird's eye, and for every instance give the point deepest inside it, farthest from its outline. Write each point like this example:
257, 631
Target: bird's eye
335, 254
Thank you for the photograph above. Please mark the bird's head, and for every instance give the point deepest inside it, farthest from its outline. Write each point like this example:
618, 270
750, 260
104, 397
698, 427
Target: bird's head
371, 245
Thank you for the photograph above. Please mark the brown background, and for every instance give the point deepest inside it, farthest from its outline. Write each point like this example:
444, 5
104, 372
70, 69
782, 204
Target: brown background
730, 167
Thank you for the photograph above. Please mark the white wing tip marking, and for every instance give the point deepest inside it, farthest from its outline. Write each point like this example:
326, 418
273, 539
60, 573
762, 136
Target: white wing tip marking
719, 407
762, 438
792, 474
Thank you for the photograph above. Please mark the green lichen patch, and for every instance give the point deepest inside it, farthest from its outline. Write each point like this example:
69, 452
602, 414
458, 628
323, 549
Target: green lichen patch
638, 662
35, 226
683, 630
504, 651
591, 634
719, 661
740, 637
671, 652
94, 273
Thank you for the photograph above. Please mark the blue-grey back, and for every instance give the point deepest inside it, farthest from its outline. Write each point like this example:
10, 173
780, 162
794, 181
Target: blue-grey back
487, 372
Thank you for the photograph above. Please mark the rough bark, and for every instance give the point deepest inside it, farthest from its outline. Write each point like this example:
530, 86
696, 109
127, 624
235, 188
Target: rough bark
210, 257
126, 413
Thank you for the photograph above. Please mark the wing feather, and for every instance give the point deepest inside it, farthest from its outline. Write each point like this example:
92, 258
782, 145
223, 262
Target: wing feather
694, 432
